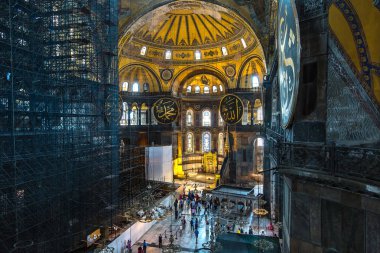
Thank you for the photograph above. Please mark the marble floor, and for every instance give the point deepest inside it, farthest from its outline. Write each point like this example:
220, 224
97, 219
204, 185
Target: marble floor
184, 236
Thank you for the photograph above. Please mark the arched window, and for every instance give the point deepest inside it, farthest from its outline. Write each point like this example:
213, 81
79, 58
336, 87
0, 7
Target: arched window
188, 89
189, 117
134, 115
143, 50
197, 55
214, 89
124, 115
206, 118
197, 89
168, 55
135, 87
260, 117
206, 142
190, 143
221, 87
206, 90
255, 82
220, 144
243, 43
144, 114
260, 142
124, 86
259, 155
146, 87
224, 51
258, 112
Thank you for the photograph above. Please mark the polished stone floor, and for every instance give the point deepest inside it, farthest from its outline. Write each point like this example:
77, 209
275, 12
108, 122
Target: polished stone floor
185, 238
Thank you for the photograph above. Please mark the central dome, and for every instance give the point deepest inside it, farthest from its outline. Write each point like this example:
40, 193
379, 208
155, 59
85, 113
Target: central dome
184, 32
190, 27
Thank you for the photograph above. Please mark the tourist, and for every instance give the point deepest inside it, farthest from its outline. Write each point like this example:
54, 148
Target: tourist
144, 246
250, 231
160, 241
196, 232
129, 246
140, 250
192, 224
196, 223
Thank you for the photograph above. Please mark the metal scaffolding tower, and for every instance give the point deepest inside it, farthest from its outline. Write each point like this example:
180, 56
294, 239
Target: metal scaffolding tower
59, 143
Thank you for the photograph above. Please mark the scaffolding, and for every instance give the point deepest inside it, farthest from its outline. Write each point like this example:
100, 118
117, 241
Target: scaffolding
59, 143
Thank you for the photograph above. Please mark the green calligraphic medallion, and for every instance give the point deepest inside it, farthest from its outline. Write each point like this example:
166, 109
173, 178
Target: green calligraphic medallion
165, 110
289, 53
231, 109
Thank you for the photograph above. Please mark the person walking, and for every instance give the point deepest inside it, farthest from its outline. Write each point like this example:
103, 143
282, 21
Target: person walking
250, 231
160, 241
129, 246
140, 250
196, 233
192, 224
196, 223
144, 246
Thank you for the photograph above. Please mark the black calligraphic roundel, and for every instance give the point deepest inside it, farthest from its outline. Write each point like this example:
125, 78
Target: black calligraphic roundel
231, 109
289, 53
165, 110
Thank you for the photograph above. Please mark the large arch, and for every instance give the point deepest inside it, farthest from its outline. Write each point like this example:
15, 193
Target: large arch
258, 60
180, 79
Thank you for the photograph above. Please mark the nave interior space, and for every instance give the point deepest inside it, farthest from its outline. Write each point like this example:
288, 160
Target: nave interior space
189, 126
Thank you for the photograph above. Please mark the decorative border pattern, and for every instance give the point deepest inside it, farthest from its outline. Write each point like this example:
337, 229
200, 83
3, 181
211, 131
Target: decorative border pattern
353, 20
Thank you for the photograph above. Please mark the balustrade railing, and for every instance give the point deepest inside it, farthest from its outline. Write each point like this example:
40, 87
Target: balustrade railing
330, 159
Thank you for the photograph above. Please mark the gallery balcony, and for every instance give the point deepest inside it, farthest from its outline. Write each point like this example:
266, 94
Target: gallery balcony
326, 161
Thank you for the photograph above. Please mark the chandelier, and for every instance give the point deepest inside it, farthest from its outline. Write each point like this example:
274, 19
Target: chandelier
260, 212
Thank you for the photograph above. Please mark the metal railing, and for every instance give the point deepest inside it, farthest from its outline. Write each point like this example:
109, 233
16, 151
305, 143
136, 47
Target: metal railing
330, 159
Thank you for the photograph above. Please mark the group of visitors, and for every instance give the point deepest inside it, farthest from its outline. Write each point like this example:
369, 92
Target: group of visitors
192, 202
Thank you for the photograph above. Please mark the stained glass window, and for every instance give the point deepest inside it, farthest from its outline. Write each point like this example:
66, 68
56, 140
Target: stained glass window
206, 142
206, 118
189, 118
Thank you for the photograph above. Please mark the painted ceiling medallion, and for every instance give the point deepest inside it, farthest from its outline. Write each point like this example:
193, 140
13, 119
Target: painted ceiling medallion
166, 74
288, 59
230, 71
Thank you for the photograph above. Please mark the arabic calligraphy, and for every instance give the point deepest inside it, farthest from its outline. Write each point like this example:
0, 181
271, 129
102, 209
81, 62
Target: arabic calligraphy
231, 109
165, 110
288, 59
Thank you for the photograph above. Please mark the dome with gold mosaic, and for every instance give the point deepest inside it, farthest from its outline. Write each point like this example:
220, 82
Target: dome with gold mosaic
187, 31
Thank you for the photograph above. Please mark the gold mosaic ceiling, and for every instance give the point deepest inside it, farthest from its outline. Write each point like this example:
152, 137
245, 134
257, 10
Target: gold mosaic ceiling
184, 27
190, 28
